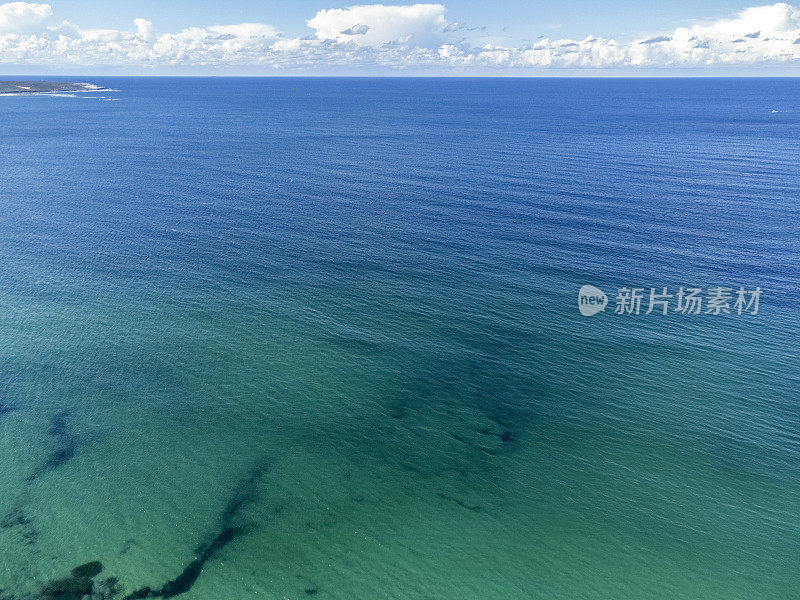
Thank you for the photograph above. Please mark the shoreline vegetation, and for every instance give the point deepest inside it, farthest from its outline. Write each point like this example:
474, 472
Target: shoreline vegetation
44, 87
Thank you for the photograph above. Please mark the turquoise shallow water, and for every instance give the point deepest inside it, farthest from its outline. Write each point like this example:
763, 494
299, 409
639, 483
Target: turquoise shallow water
338, 319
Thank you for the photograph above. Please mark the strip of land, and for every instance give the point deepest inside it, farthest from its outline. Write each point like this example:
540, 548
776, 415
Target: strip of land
43, 87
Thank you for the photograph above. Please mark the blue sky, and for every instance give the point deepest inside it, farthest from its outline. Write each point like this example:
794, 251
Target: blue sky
516, 19
456, 37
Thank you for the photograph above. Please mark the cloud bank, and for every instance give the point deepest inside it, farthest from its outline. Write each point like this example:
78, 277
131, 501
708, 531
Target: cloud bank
391, 38
23, 17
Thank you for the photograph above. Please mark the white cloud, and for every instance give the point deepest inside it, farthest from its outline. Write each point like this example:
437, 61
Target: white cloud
768, 20
381, 37
246, 31
144, 29
418, 24
757, 34
24, 17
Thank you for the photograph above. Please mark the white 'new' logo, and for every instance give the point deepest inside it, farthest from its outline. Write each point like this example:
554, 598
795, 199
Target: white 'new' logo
591, 300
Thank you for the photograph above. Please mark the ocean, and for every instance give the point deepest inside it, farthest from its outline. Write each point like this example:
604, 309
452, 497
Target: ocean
308, 337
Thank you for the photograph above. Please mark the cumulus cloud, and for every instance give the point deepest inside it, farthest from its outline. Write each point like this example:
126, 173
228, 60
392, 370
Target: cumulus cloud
770, 20
757, 34
387, 37
24, 17
418, 24
144, 29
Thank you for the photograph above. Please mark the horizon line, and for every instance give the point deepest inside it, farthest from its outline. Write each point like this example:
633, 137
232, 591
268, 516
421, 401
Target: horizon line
416, 76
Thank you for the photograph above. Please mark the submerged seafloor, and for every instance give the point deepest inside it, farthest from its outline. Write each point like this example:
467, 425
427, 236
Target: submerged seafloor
319, 337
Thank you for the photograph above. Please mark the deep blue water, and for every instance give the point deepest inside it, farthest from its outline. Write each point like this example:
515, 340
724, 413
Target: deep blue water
348, 309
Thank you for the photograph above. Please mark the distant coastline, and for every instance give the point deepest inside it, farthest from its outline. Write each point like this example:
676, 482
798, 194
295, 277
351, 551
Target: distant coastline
44, 87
